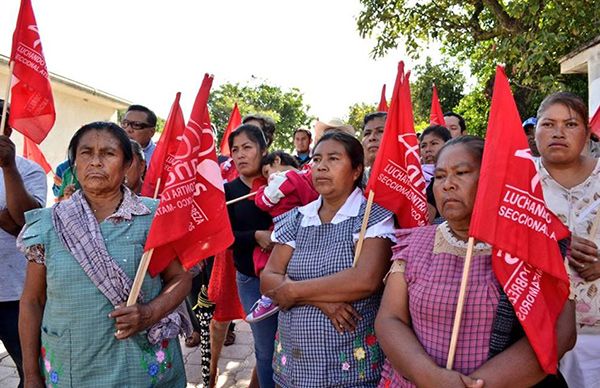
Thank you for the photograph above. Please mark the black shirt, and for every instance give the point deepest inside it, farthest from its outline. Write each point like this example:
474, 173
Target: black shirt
246, 218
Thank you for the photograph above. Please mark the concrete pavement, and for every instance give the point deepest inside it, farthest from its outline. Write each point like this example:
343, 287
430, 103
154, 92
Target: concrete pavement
235, 365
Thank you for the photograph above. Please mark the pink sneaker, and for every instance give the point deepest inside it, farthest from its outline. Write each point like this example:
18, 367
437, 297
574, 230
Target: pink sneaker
263, 308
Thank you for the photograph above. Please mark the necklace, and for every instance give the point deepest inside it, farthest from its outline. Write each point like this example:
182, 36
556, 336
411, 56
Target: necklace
118, 205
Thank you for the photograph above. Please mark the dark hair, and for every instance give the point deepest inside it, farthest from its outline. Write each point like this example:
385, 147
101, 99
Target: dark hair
137, 150
474, 144
266, 124
113, 129
254, 133
149, 114
286, 159
373, 116
303, 130
461, 121
353, 148
570, 100
438, 131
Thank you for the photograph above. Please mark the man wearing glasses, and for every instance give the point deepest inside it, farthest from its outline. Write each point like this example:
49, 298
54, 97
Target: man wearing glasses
140, 124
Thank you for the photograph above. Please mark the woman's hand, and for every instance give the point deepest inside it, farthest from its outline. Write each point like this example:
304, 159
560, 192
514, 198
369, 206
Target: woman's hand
449, 378
34, 381
343, 316
131, 320
584, 258
263, 239
283, 295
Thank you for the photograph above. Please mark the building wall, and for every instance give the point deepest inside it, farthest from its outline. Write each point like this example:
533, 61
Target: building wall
594, 79
74, 108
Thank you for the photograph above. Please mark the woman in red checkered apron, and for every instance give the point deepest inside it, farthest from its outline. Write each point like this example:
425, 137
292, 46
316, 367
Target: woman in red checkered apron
414, 323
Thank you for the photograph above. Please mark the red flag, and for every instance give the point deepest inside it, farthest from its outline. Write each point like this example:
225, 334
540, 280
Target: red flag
383, 106
162, 159
511, 215
436, 117
32, 105
32, 152
235, 119
396, 177
191, 221
595, 122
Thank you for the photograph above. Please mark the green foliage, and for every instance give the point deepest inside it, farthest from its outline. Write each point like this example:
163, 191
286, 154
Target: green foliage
449, 82
286, 107
528, 36
475, 108
357, 113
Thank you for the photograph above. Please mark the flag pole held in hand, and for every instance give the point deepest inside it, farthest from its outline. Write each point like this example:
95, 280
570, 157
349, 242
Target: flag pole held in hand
238, 199
363, 228
460, 304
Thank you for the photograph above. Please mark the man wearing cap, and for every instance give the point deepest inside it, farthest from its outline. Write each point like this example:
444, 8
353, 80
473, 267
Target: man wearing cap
529, 128
22, 187
302, 138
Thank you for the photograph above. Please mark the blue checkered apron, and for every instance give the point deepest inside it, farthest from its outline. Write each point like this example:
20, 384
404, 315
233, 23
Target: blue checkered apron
309, 352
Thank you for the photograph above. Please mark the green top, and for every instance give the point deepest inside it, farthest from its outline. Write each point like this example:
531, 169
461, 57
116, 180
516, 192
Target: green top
79, 348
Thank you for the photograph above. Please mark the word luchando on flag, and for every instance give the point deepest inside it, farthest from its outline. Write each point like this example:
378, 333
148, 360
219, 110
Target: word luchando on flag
191, 222
511, 215
396, 177
32, 105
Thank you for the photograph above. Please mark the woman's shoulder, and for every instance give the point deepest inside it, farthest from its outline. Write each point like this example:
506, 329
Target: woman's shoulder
35, 216
412, 241
38, 222
150, 203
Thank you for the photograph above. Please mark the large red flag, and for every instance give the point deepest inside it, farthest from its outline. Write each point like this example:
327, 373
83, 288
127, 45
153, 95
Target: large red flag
396, 177
383, 106
436, 117
595, 122
191, 221
32, 152
511, 215
162, 159
32, 105
235, 119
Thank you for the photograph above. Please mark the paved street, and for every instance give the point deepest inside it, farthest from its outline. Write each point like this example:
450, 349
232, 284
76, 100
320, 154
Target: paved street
235, 365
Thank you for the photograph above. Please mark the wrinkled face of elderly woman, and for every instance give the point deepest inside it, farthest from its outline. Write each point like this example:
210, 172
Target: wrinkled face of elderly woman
100, 162
455, 185
332, 171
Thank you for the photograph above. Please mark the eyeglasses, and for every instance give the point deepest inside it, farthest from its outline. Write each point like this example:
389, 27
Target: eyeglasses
137, 125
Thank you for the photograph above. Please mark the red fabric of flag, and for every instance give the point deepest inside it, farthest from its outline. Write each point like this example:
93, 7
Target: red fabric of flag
235, 119
163, 157
436, 117
32, 105
511, 215
396, 177
191, 221
595, 122
383, 106
32, 152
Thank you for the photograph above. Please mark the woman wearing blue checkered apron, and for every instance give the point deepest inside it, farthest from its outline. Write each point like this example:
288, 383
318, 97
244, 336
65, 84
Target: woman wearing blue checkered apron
328, 306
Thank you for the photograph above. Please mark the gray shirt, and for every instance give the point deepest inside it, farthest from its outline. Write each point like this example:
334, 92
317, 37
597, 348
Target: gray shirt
12, 262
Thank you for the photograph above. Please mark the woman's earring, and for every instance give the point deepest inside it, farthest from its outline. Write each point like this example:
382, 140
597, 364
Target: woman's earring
125, 181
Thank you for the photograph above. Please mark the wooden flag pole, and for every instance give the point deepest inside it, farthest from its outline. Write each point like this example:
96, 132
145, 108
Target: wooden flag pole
460, 304
11, 68
363, 228
143, 267
238, 199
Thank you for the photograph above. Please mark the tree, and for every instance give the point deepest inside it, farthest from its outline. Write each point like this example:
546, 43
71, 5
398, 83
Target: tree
357, 113
528, 36
449, 81
286, 107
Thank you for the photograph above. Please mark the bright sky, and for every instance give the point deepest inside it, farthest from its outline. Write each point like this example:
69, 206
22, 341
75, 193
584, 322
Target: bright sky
146, 51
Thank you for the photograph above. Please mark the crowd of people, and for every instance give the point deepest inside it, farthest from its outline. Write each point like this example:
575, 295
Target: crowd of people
319, 316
